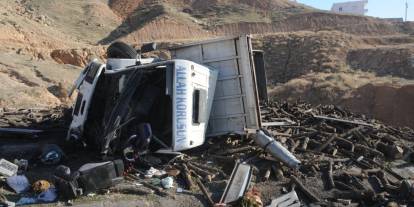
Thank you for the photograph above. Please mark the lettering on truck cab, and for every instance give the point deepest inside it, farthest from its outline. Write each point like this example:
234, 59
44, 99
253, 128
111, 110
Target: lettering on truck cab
181, 105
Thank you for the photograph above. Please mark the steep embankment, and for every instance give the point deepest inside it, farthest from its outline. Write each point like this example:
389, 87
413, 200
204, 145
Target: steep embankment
354, 61
36, 36
150, 20
372, 75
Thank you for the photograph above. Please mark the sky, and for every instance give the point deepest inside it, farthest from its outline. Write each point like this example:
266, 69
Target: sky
376, 8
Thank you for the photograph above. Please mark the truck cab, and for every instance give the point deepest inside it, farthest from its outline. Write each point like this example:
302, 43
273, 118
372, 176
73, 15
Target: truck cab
173, 97
208, 88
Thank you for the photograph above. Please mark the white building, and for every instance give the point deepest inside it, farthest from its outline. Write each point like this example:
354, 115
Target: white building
350, 7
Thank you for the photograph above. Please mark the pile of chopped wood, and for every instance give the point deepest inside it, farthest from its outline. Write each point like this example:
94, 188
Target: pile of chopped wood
345, 158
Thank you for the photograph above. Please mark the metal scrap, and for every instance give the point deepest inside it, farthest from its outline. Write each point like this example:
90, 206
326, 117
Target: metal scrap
288, 200
238, 183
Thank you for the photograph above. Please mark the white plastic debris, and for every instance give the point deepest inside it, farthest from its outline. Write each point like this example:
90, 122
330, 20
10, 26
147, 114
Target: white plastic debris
8, 168
10, 204
154, 172
18, 183
167, 182
91, 195
137, 184
180, 190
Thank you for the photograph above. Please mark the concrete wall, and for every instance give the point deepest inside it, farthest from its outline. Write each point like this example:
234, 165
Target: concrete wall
351, 7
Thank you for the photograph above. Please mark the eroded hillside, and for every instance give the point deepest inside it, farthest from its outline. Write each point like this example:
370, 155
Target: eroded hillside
370, 75
353, 61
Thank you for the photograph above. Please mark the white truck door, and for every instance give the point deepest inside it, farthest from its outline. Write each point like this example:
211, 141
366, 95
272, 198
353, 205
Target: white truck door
235, 106
194, 87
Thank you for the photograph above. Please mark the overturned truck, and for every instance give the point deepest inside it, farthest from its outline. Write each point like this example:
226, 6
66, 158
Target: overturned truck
131, 104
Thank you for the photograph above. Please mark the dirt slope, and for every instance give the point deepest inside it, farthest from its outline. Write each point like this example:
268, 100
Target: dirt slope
25, 82
321, 57
372, 75
188, 19
36, 37
151, 20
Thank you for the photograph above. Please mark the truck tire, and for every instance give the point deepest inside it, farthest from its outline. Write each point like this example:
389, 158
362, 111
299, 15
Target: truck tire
121, 50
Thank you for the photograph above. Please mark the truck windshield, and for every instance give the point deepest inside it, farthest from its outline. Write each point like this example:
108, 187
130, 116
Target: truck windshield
145, 99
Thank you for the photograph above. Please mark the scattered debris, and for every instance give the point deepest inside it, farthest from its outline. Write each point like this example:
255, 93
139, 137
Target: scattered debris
276, 149
152, 172
5, 202
47, 196
343, 121
205, 192
288, 200
51, 155
167, 182
8, 168
18, 183
238, 183
318, 149
279, 122
66, 183
252, 198
97, 176
312, 197
343, 156
22, 164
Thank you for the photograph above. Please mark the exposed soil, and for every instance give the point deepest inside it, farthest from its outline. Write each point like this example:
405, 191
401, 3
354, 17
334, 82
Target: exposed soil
307, 42
26, 82
364, 73
385, 98
78, 57
200, 19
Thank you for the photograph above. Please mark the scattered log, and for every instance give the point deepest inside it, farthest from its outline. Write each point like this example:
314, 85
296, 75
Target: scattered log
330, 180
187, 176
205, 192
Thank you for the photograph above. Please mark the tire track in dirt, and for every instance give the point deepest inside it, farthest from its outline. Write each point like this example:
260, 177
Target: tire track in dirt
55, 88
4, 68
42, 77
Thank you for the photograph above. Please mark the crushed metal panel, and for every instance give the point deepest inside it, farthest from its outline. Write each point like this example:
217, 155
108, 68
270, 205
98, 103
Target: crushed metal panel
235, 105
238, 183
288, 200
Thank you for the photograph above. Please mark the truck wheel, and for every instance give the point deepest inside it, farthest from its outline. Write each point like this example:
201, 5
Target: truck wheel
121, 50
